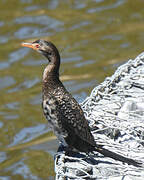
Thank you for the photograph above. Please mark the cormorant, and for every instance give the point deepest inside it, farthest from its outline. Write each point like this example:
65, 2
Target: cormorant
64, 114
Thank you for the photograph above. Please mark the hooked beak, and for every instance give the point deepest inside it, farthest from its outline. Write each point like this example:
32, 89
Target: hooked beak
29, 45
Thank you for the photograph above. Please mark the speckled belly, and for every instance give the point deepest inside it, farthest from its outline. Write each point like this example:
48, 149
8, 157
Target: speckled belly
49, 112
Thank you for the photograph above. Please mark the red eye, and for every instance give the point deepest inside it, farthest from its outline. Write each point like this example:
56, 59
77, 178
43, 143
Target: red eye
37, 46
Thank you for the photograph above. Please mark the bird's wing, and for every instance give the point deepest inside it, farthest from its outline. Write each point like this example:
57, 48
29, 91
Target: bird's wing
71, 118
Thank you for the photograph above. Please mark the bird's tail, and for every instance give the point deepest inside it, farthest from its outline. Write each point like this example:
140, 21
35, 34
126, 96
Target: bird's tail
118, 157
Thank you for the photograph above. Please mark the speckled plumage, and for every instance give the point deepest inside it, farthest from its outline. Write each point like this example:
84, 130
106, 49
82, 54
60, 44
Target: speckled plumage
62, 111
65, 115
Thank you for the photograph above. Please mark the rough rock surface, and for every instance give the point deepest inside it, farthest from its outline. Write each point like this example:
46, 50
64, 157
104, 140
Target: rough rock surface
115, 111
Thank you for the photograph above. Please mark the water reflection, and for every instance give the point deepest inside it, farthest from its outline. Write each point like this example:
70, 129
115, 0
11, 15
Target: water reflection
6, 82
27, 134
49, 26
24, 85
108, 6
17, 55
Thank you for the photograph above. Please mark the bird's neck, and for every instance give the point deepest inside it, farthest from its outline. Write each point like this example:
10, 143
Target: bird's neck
51, 72
50, 82
52, 69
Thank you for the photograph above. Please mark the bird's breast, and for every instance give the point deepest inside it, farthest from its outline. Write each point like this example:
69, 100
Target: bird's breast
51, 114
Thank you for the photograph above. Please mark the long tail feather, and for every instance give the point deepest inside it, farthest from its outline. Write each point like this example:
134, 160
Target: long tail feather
118, 157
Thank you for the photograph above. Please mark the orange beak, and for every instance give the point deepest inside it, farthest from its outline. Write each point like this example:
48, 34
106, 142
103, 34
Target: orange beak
29, 45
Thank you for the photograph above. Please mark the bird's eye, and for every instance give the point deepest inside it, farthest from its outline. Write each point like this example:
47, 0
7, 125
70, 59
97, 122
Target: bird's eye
37, 46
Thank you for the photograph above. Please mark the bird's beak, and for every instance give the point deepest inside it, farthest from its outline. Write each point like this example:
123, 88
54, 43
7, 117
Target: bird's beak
29, 45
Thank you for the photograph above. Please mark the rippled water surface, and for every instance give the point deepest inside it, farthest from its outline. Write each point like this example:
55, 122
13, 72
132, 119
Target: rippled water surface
93, 37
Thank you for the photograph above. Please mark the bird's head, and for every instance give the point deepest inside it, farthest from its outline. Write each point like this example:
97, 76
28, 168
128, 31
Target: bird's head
46, 48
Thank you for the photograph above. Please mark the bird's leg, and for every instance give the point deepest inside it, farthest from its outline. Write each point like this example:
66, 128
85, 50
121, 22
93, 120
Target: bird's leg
65, 149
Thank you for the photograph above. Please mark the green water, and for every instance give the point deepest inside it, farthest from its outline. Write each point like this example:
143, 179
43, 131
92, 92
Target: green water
93, 37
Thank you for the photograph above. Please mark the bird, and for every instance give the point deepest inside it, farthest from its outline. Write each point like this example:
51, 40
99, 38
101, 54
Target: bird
64, 114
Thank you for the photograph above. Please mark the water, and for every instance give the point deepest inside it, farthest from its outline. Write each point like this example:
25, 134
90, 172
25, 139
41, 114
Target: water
93, 37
